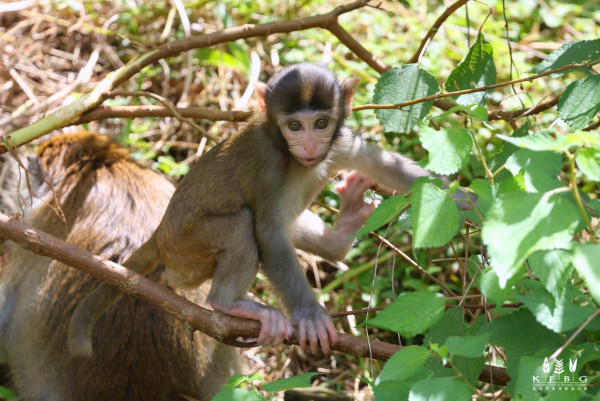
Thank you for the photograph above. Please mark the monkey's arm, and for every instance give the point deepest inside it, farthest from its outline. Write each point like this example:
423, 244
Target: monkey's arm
311, 234
389, 169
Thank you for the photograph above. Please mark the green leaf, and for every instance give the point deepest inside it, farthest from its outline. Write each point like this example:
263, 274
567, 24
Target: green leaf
543, 141
434, 216
476, 70
478, 112
393, 390
404, 363
441, 388
425, 310
558, 314
238, 380
400, 85
490, 286
388, 210
218, 57
7, 393
580, 102
448, 149
483, 190
538, 141
289, 383
518, 224
508, 333
588, 161
570, 53
471, 346
540, 169
238, 394
553, 268
586, 259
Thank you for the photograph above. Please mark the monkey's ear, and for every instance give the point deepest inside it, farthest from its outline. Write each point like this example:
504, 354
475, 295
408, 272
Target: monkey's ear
348, 88
261, 92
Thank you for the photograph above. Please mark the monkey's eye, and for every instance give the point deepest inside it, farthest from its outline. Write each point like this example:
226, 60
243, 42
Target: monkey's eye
322, 123
294, 125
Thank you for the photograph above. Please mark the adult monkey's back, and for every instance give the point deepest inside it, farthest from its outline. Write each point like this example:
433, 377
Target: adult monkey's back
111, 206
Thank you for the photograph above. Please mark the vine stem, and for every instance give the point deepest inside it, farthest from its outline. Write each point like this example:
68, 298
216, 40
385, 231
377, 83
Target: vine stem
579, 330
576, 195
473, 90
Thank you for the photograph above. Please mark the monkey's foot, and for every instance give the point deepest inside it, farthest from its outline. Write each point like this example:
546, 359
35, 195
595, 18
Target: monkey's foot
317, 330
274, 326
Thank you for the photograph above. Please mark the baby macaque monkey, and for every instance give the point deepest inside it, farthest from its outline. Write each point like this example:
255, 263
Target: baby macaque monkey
244, 203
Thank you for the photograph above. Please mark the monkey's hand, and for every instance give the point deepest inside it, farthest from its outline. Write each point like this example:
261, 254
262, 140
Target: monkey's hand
354, 211
315, 325
274, 326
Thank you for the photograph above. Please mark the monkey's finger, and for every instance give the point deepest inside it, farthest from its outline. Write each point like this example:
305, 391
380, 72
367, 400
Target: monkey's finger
265, 324
302, 334
333, 334
313, 338
323, 337
282, 331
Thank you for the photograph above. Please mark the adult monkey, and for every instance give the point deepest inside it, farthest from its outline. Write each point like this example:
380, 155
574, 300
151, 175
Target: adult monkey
244, 202
111, 206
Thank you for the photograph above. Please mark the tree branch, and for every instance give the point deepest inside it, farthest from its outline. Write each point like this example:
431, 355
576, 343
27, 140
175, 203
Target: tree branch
102, 112
224, 328
68, 114
434, 28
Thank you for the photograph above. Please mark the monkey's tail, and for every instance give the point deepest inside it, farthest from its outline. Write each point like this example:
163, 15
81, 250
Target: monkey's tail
143, 261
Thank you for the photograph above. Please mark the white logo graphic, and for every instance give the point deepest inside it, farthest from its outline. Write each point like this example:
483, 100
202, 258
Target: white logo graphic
557, 380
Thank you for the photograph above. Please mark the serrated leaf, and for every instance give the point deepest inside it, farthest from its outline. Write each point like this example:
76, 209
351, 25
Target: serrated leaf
404, 363
558, 314
289, 383
448, 149
542, 141
588, 161
483, 190
411, 314
538, 141
393, 390
440, 388
508, 333
400, 85
570, 53
552, 268
489, 284
388, 210
434, 216
470, 346
518, 224
580, 102
540, 169
476, 70
586, 259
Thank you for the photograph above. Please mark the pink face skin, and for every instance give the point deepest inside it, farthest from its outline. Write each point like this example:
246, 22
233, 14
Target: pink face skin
308, 135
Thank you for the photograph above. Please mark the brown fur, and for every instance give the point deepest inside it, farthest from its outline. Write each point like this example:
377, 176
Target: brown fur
243, 202
111, 207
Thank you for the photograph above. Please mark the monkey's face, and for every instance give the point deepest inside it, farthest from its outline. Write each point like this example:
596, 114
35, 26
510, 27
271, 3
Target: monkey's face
306, 101
308, 134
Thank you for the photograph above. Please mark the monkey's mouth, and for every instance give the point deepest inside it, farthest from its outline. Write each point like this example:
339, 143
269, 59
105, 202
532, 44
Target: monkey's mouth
310, 162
